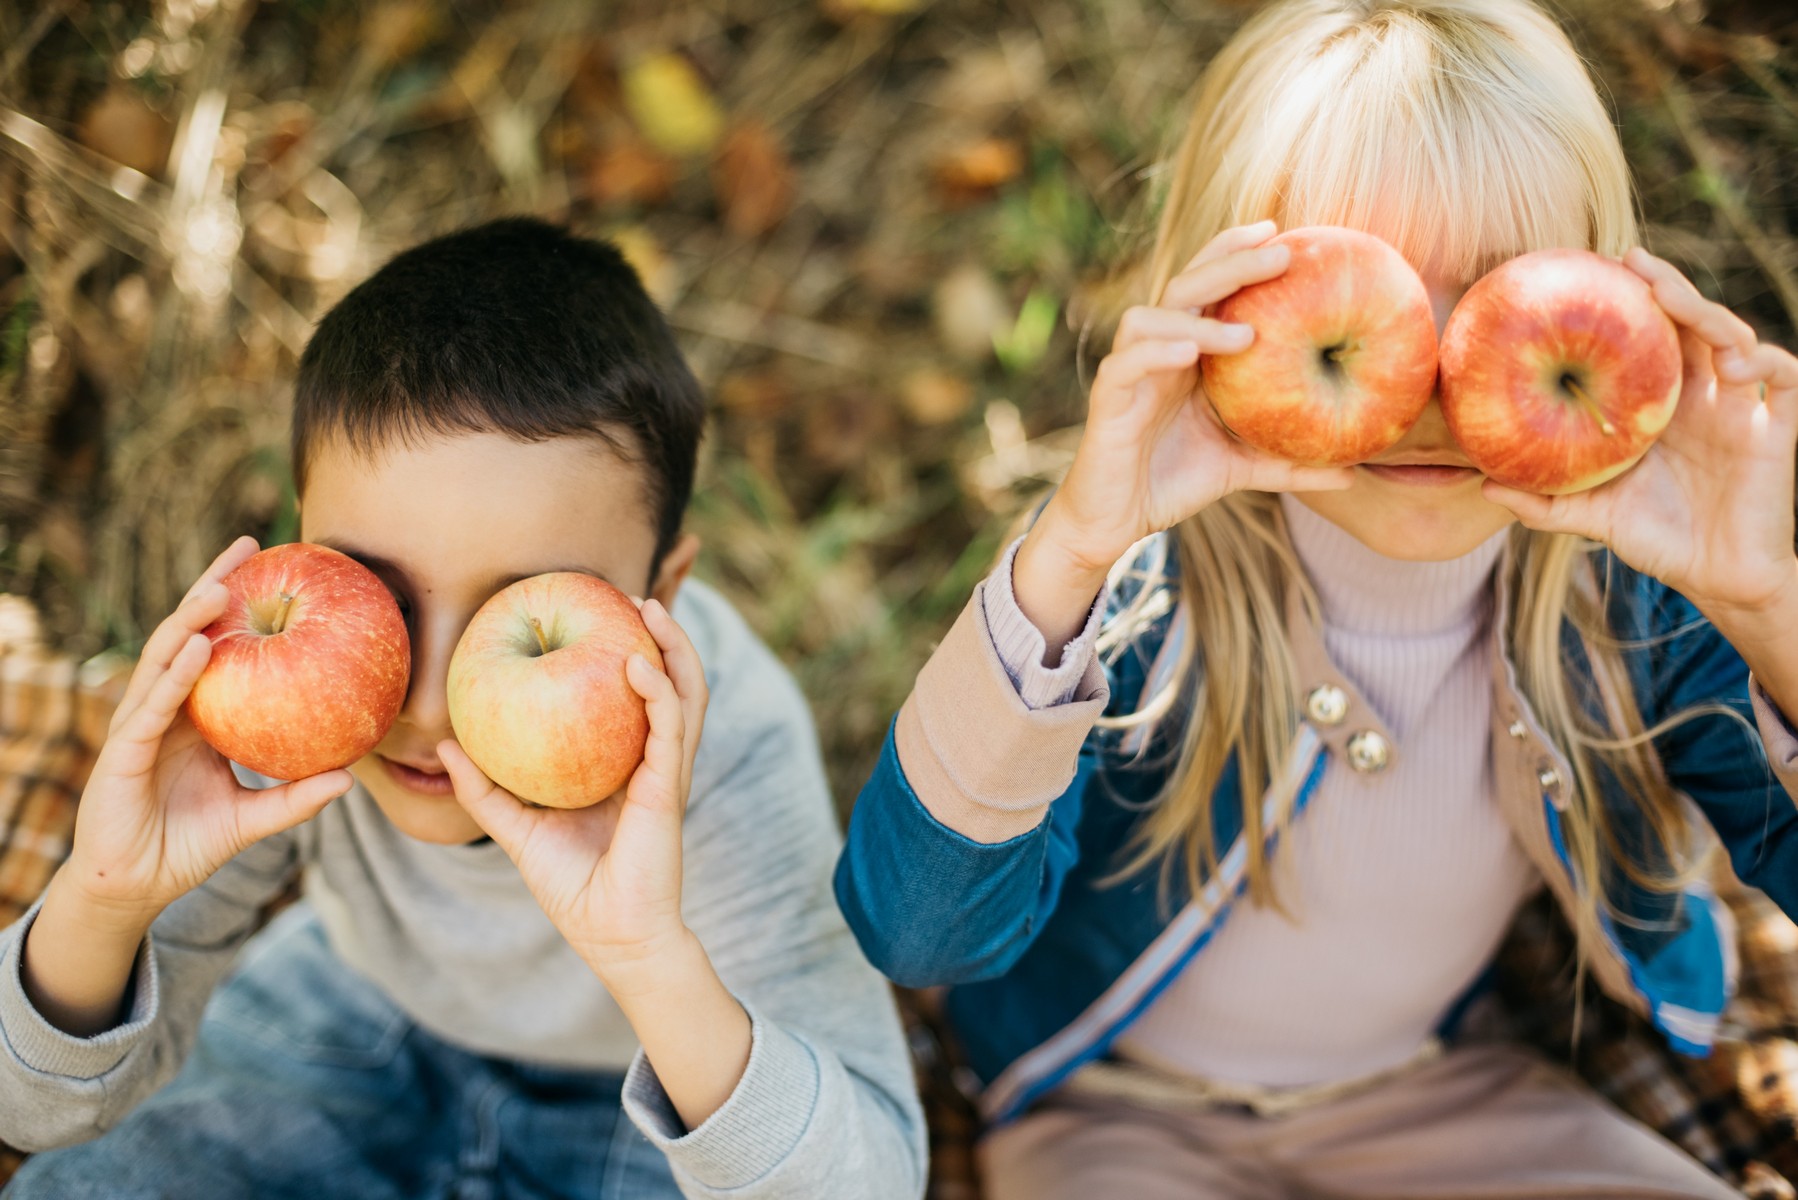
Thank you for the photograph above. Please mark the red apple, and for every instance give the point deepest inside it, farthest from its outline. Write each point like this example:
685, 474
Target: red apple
1344, 357
309, 666
1559, 370
537, 692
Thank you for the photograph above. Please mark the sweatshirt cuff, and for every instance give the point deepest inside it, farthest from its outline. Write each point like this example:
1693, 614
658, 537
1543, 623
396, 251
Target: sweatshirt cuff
1777, 735
982, 761
758, 1126
1021, 646
43, 1047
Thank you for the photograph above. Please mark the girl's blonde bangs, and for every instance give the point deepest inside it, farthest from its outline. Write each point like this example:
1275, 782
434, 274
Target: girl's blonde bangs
1463, 132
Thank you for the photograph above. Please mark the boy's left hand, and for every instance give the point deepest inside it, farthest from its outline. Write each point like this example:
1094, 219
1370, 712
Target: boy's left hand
609, 876
1708, 510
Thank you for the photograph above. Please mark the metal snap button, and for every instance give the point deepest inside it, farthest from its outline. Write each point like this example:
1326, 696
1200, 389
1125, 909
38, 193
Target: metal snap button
1517, 730
1327, 704
1548, 777
1368, 752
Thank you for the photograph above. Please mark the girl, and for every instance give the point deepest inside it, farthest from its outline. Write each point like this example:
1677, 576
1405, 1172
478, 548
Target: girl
1214, 858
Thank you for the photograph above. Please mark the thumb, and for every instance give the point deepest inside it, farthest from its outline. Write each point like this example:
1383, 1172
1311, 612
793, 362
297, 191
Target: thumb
500, 814
1573, 513
264, 812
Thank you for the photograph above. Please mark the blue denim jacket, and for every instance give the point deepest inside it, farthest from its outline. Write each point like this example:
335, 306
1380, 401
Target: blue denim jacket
1051, 956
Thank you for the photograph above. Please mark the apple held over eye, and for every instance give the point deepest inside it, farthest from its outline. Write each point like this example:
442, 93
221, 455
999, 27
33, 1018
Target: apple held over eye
537, 691
1559, 370
309, 665
1344, 357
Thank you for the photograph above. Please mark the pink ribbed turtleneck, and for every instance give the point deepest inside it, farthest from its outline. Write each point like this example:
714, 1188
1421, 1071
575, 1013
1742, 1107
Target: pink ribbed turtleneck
1402, 882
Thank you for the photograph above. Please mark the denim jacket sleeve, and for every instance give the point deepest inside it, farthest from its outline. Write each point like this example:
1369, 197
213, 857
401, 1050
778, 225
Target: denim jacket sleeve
1729, 755
959, 843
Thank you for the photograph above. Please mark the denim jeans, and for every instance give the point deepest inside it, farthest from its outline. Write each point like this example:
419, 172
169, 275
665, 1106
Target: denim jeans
307, 1083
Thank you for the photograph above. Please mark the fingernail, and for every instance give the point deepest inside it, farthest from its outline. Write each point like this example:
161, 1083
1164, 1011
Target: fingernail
1242, 335
1181, 351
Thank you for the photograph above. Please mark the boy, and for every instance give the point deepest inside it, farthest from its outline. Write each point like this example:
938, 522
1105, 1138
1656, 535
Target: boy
474, 994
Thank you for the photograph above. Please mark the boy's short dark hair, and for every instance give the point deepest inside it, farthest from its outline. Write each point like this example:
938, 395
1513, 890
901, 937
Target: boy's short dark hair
513, 327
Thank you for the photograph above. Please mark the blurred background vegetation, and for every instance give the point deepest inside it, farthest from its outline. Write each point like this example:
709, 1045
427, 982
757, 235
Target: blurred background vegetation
879, 226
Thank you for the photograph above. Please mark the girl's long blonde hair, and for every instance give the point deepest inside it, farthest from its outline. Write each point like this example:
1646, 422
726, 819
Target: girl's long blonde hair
1463, 132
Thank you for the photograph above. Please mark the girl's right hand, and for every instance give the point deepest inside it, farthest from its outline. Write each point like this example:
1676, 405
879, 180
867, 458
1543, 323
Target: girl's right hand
162, 810
1154, 452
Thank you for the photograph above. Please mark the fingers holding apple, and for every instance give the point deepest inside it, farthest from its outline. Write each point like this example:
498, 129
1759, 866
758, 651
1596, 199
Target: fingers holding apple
1708, 508
202, 604
162, 809
675, 698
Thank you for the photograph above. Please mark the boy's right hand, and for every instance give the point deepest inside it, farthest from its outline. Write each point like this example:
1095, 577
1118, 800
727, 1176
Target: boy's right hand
162, 810
1154, 452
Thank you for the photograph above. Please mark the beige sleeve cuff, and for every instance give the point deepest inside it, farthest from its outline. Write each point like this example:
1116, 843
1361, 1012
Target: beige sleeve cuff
979, 759
1777, 735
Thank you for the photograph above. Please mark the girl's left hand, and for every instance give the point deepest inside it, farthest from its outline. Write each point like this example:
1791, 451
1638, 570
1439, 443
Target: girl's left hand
1708, 510
609, 876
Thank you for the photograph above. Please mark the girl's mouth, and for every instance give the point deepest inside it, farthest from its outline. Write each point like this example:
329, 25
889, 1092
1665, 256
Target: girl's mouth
1429, 475
428, 783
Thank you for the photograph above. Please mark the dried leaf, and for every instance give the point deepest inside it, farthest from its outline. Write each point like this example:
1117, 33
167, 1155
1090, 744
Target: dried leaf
935, 397
481, 65
841, 429
292, 126
647, 258
970, 311
628, 171
972, 172
671, 104
754, 180
393, 31
755, 395
593, 92
121, 126
848, 10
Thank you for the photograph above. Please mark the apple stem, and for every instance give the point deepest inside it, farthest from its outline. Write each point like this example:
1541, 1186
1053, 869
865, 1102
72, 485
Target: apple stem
1584, 398
537, 628
280, 621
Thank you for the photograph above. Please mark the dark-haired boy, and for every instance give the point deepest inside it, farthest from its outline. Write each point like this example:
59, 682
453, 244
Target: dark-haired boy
452, 1010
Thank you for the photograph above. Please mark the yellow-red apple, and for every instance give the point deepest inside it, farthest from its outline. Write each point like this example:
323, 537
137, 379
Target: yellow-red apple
1559, 370
1344, 357
309, 666
537, 691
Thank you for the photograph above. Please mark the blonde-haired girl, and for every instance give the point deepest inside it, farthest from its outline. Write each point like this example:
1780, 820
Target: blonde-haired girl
1214, 858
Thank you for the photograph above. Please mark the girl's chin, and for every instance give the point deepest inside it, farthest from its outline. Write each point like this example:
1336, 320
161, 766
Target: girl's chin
1412, 524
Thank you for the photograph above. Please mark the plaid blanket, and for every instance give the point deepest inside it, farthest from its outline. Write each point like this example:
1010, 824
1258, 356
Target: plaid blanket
1736, 1112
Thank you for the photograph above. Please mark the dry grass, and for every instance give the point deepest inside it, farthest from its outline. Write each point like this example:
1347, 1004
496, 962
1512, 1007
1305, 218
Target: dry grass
868, 227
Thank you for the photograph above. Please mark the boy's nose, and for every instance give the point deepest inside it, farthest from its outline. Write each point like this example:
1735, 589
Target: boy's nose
427, 698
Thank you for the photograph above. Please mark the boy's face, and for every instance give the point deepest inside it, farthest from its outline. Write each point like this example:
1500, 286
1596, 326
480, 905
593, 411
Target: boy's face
446, 524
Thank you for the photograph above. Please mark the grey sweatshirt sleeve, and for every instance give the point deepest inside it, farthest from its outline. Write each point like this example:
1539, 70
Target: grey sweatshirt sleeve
57, 1089
827, 1106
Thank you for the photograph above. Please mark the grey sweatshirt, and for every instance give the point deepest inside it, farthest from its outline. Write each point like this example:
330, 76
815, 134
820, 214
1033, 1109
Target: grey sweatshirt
826, 1107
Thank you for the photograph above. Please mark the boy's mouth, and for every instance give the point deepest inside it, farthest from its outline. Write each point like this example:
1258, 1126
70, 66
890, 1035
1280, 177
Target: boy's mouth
428, 781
